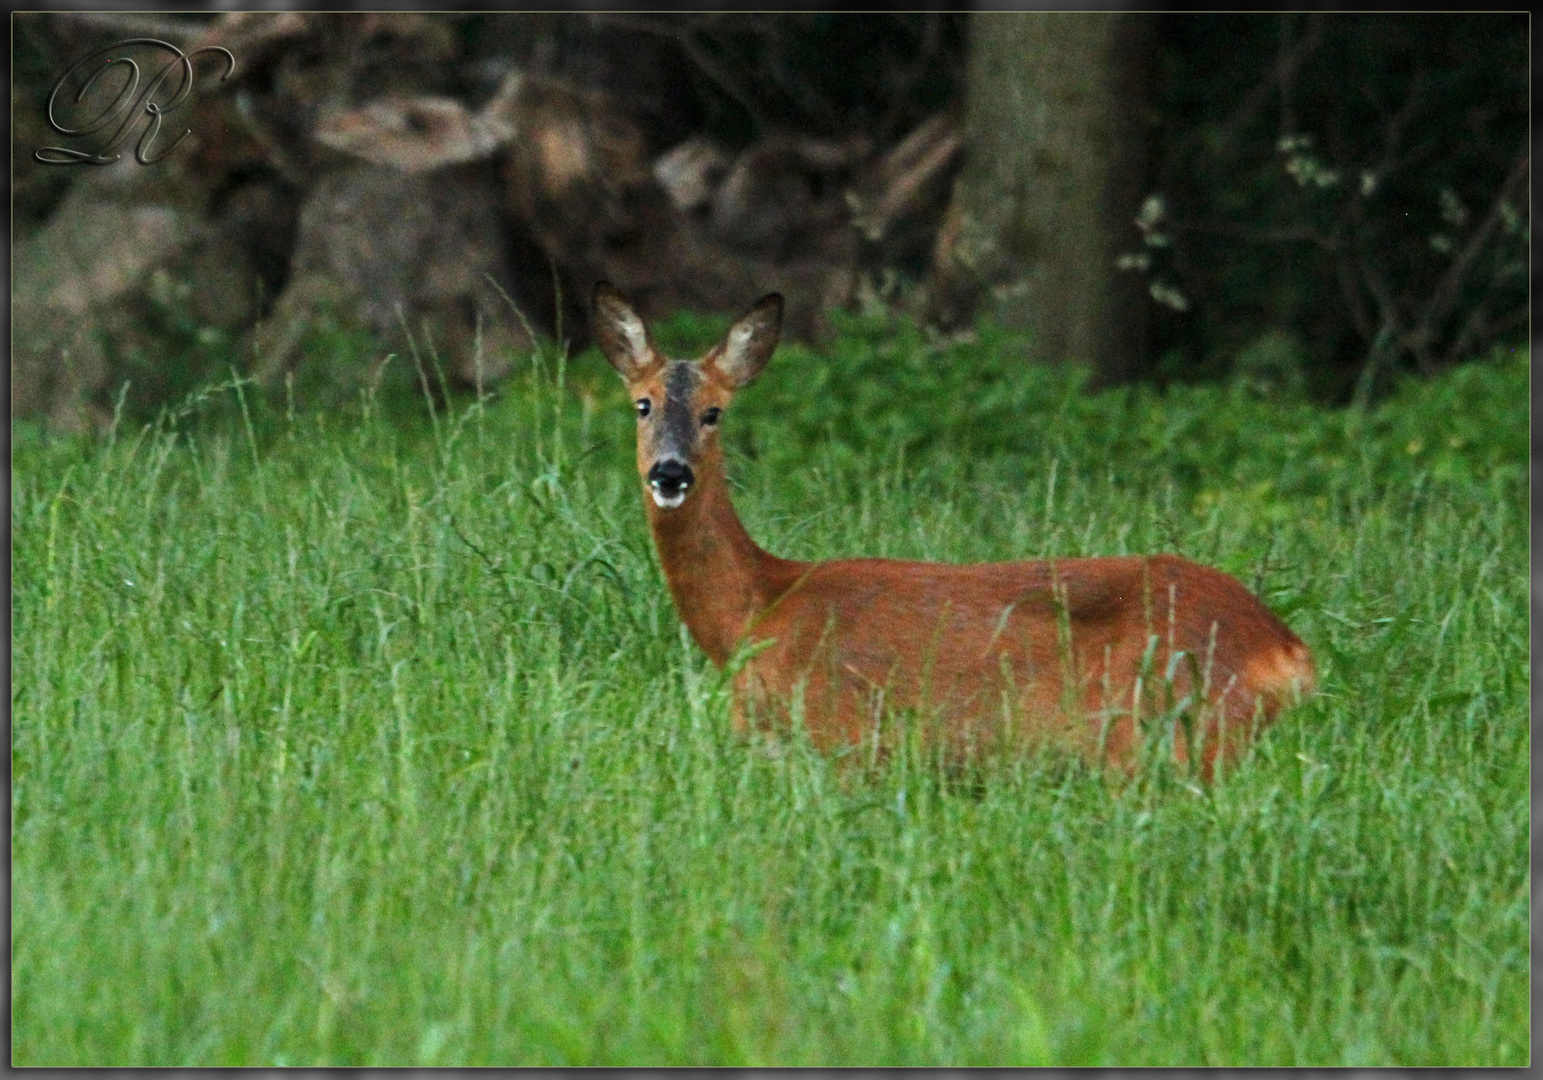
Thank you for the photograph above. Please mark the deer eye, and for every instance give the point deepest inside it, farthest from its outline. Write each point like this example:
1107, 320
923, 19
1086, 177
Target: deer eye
644, 406
710, 417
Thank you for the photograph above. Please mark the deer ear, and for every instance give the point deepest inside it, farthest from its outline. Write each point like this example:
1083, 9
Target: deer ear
620, 334
749, 342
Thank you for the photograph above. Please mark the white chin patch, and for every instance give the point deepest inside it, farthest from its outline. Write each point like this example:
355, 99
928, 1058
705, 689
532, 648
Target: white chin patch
667, 502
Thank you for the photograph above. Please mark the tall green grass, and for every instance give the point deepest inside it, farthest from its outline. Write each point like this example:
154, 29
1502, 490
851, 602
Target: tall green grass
343, 741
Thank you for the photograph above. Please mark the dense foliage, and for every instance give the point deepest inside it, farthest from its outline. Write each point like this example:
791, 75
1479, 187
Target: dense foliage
1338, 197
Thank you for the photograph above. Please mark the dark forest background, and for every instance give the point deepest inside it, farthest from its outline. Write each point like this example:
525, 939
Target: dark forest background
1316, 203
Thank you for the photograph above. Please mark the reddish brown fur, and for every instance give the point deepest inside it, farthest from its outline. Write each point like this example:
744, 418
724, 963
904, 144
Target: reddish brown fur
1034, 652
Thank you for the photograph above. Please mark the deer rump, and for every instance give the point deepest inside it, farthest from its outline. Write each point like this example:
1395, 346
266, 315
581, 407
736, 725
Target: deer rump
1090, 655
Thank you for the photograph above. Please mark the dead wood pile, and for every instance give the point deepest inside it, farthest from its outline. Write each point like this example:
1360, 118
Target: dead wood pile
377, 173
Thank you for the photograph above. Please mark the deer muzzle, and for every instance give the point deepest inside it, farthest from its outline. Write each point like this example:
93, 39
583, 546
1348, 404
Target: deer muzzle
668, 482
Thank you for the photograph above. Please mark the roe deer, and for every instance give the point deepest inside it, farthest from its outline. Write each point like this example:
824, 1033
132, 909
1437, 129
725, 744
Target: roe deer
1091, 654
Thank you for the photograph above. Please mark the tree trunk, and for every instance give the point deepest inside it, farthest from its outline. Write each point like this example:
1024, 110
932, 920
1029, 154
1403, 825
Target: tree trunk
1055, 173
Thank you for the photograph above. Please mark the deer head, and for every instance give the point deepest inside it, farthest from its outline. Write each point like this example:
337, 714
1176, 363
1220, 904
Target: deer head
681, 402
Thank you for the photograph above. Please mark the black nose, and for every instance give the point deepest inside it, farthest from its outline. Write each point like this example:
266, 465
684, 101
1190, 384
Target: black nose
670, 477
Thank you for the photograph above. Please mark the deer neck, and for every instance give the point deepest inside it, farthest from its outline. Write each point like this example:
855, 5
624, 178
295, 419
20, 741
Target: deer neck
719, 578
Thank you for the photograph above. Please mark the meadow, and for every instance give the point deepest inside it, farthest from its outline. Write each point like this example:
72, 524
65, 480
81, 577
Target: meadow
363, 736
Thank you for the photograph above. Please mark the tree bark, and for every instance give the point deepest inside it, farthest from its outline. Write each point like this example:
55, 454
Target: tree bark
1056, 168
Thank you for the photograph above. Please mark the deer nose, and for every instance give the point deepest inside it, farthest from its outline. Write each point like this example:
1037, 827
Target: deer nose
670, 477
